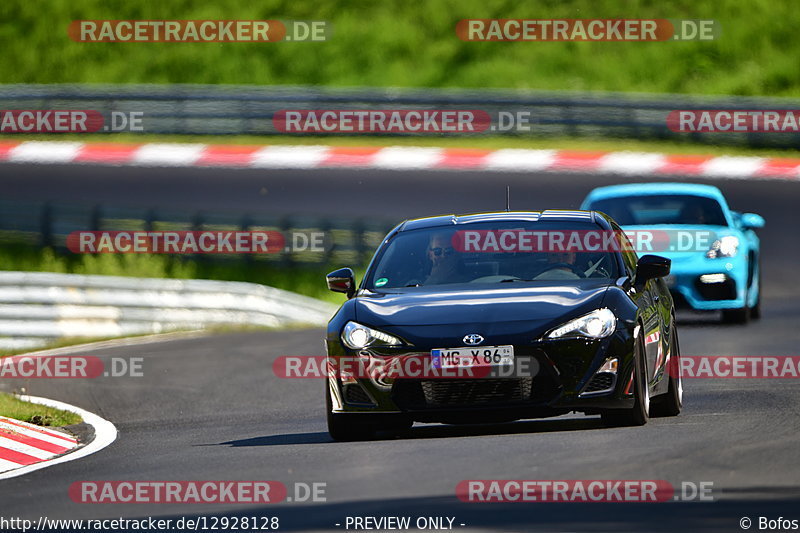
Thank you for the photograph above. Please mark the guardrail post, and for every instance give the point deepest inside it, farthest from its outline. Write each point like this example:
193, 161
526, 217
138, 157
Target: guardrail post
95, 218
197, 221
46, 226
324, 226
244, 225
149, 218
358, 231
285, 226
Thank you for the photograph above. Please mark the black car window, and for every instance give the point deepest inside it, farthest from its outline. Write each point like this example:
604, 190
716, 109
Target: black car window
654, 209
629, 256
494, 252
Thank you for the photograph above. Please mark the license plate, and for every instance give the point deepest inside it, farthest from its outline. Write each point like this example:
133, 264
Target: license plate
473, 357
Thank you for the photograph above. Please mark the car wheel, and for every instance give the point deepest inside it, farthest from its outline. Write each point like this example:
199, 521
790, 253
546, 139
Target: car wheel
736, 316
670, 404
755, 311
639, 414
344, 426
402, 425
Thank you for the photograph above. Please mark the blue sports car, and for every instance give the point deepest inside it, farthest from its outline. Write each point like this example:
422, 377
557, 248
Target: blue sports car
714, 250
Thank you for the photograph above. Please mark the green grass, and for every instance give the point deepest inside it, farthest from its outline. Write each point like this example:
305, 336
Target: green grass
309, 281
413, 44
488, 143
13, 407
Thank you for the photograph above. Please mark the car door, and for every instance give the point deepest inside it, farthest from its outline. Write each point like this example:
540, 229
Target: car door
651, 316
648, 299
665, 330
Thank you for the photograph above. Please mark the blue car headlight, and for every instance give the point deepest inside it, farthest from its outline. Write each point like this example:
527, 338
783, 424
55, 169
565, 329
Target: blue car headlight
598, 324
356, 336
727, 246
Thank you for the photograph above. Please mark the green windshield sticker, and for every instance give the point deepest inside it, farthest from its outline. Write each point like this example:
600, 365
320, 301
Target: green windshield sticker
381, 282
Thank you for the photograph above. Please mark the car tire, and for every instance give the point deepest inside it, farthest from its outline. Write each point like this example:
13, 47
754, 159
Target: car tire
671, 403
346, 427
639, 414
736, 316
755, 311
402, 426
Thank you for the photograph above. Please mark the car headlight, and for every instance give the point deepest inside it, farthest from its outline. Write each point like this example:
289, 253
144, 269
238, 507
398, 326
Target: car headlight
723, 247
598, 324
357, 336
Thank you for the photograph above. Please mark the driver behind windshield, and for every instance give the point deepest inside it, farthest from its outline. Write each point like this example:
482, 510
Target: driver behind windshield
444, 260
560, 265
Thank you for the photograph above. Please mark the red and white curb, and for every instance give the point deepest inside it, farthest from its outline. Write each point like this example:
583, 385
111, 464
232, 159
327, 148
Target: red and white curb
398, 158
23, 444
25, 447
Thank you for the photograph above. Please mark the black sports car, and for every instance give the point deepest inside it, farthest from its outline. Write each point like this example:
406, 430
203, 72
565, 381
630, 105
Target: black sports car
502, 326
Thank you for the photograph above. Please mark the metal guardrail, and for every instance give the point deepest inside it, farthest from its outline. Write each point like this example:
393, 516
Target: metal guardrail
38, 307
248, 110
348, 241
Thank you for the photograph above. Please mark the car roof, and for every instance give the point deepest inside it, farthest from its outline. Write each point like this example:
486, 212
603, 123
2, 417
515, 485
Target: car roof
641, 189
511, 216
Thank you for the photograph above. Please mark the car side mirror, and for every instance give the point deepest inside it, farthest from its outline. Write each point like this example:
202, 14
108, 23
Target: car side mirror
342, 280
752, 221
651, 267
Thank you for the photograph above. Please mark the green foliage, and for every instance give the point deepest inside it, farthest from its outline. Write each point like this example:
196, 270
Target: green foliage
306, 280
402, 43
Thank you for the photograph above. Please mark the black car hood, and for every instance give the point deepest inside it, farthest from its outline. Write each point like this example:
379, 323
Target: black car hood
504, 309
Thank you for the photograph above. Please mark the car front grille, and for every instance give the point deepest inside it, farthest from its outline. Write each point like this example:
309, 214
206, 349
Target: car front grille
418, 394
717, 291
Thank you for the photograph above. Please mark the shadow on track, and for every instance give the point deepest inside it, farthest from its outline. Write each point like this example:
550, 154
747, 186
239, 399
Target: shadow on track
432, 432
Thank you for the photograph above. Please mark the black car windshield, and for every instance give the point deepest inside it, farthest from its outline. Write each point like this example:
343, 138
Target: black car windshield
662, 209
493, 253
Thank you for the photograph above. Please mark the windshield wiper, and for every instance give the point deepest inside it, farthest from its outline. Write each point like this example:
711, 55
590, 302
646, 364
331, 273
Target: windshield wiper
509, 280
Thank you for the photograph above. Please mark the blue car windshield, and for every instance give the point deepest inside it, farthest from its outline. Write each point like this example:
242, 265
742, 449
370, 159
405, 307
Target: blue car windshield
493, 252
662, 209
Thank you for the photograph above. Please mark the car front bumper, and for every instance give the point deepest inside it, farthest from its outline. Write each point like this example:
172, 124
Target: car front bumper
549, 379
705, 284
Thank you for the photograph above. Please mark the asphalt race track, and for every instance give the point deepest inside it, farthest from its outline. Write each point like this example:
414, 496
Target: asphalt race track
209, 408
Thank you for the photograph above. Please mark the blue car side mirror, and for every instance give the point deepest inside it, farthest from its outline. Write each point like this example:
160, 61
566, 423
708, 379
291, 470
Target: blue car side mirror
752, 221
